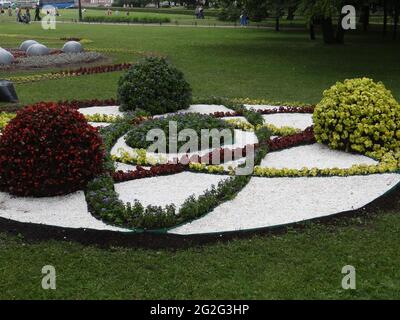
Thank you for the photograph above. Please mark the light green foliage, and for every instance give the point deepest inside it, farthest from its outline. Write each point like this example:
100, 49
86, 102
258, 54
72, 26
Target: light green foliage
359, 115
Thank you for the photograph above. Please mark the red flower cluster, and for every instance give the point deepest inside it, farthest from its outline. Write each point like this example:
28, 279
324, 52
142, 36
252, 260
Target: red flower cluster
17, 53
70, 39
48, 150
77, 104
215, 154
284, 109
159, 170
96, 69
304, 137
222, 114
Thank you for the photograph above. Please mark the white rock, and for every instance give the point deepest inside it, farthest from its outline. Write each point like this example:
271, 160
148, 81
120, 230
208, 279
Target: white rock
72, 47
26, 44
37, 50
68, 211
313, 156
6, 57
295, 120
165, 190
276, 201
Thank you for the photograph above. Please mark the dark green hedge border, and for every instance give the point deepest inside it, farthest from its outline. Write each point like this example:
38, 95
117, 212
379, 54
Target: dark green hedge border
126, 19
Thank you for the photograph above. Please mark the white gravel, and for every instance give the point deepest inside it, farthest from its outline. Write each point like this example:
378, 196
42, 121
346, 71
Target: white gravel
125, 167
260, 106
99, 124
275, 201
295, 120
107, 110
242, 138
68, 211
200, 108
208, 108
313, 156
165, 190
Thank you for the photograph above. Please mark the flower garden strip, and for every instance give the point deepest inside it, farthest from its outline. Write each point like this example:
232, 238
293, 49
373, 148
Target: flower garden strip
55, 59
194, 196
71, 73
104, 199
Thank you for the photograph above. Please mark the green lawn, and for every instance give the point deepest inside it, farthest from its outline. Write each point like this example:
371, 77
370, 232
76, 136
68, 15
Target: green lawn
227, 62
222, 62
303, 265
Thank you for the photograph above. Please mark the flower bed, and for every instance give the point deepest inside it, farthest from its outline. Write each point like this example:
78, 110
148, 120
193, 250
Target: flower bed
136, 138
71, 73
56, 59
235, 202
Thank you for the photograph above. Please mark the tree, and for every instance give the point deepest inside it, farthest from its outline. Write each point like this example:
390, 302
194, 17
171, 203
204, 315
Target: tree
323, 13
80, 10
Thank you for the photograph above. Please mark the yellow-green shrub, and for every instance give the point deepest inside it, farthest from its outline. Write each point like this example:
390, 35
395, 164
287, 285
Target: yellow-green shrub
358, 115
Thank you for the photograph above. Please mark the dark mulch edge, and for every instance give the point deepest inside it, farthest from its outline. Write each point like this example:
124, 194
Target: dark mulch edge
150, 240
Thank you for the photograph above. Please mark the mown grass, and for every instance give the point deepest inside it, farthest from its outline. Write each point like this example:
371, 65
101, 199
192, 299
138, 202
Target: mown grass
297, 265
221, 62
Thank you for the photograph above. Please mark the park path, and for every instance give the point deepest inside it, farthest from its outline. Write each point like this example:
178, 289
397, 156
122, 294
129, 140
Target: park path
169, 25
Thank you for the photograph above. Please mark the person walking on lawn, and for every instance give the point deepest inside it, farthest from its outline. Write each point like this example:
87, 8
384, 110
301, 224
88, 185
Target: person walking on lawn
37, 14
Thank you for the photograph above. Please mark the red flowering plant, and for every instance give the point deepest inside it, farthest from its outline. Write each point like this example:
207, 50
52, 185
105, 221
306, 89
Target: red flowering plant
301, 138
48, 150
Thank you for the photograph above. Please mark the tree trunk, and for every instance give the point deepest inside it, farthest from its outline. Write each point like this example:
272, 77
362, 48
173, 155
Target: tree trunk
277, 26
365, 17
328, 31
312, 30
80, 10
290, 15
340, 31
385, 17
396, 20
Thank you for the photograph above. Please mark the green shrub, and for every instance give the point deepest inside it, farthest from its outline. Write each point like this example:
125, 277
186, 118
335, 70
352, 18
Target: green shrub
136, 138
358, 115
155, 86
127, 19
230, 13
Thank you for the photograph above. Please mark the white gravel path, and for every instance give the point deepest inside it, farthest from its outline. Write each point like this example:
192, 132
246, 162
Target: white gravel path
125, 167
260, 106
99, 124
107, 110
242, 138
68, 211
295, 120
274, 201
199, 108
165, 190
313, 156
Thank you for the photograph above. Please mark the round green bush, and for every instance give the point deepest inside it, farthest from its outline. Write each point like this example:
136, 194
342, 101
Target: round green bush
136, 138
155, 86
358, 115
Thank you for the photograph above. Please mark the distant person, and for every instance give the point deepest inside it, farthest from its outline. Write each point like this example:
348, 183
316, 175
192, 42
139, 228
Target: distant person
37, 14
27, 15
197, 12
9, 12
201, 12
18, 14
244, 20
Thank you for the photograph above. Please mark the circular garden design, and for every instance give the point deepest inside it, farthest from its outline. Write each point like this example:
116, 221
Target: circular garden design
87, 164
